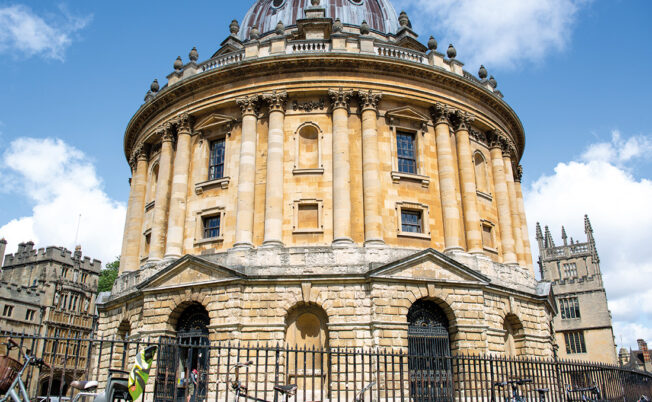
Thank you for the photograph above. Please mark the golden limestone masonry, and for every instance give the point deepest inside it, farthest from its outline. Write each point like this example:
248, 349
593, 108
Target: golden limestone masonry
325, 179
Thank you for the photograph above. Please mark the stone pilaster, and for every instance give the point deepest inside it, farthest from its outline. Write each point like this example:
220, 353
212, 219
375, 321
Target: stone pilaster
162, 196
513, 207
373, 234
129, 259
450, 210
472, 223
497, 143
527, 250
274, 185
179, 191
341, 167
244, 225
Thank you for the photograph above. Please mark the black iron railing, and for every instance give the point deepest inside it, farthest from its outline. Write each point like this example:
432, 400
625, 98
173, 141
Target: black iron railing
335, 374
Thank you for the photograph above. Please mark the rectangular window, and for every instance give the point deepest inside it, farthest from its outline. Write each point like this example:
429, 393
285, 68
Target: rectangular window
216, 160
8, 311
487, 236
406, 151
29, 315
411, 221
570, 270
211, 226
575, 342
570, 308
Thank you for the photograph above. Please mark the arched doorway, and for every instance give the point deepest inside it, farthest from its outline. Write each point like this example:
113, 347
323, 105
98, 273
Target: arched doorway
429, 352
180, 356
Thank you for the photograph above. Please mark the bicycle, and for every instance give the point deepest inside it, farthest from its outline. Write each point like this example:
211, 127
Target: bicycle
10, 373
240, 390
594, 391
515, 397
360, 395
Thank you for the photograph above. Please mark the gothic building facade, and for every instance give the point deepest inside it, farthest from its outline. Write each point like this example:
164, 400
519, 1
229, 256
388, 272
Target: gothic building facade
50, 292
583, 326
326, 179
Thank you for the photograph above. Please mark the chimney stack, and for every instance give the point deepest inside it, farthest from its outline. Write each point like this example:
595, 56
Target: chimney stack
3, 246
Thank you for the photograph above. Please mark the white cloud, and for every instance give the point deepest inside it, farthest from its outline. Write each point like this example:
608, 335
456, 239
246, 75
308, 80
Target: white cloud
23, 31
61, 183
601, 184
496, 33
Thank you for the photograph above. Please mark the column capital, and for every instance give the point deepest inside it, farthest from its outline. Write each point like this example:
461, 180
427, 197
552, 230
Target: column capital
518, 173
369, 99
461, 120
496, 139
249, 104
139, 154
276, 101
340, 98
478, 135
441, 113
166, 132
184, 123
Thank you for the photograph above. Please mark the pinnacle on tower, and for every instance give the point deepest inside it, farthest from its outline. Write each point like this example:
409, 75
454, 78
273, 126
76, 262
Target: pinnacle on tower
563, 236
587, 225
550, 243
539, 234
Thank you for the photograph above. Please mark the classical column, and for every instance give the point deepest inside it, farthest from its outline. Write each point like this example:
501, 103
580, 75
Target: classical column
244, 221
513, 207
497, 143
446, 168
341, 168
467, 183
527, 251
162, 197
373, 234
129, 259
274, 185
179, 191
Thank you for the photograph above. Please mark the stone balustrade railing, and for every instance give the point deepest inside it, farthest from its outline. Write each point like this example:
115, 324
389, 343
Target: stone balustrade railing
308, 46
400, 53
221, 61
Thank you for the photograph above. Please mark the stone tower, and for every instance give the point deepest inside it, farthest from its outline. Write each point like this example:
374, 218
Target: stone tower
583, 325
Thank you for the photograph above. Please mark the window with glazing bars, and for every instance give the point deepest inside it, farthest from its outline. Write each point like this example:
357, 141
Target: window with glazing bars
411, 221
575, 342
211, 227
570, 308
8, 311
570, 270
406, 151
216, 160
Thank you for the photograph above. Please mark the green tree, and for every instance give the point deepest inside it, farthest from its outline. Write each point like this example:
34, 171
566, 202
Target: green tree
108, 276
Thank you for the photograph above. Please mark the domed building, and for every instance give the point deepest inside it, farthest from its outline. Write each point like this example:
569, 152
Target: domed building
325, 179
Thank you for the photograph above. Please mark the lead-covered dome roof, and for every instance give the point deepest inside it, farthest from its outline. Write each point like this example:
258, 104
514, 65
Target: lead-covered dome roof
265, 14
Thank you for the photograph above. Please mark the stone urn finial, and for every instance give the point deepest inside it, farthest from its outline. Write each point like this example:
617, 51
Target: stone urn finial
432, 43
403, 19
493, 82
155, 86
482, 73
364, 28
254, 33
338, 26
314, 3
178, 64
451, 52
193, 55
280, 28
234, 27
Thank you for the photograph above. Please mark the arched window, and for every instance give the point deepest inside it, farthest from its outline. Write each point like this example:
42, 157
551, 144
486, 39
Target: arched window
308, 149
153, 181
307, 328
513, 336
481, 179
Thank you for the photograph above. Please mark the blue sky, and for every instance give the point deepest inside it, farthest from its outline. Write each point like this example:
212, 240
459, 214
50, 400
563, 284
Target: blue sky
575, 71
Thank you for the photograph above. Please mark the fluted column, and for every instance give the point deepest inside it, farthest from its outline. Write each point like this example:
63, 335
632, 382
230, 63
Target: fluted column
513, 208
179, 190
502, 199
527, 251
275, 171
446, 168
341, 168
244, 221
162, 197
472, 223
373, 234
129, 259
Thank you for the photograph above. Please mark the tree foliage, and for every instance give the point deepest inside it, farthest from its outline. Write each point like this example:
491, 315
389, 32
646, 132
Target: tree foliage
108, 276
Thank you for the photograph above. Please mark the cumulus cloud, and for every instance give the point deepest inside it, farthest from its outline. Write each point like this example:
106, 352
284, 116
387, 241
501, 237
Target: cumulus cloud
496, 33
26, 32
601, 183
61, 183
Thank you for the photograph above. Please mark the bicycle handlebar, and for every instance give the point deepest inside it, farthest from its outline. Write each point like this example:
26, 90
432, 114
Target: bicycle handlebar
13, 343
517, 382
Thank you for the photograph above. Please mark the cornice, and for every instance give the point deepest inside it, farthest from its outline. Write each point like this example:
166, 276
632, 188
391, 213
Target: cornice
287, 64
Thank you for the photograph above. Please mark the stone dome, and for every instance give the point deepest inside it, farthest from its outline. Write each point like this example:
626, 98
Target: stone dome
265, 14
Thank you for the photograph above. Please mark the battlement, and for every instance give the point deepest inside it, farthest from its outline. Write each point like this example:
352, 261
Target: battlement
27, 254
